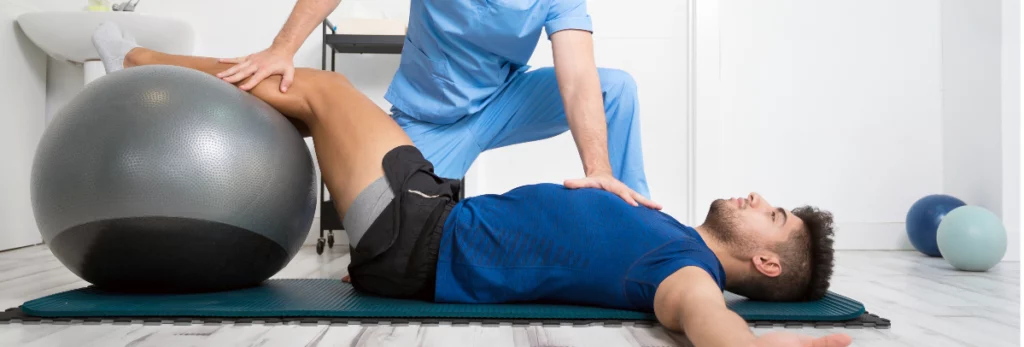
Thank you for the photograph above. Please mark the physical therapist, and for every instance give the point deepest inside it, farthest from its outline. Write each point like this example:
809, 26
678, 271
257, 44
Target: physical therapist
463, 86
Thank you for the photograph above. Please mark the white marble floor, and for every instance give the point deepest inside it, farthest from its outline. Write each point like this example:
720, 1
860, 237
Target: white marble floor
928, 302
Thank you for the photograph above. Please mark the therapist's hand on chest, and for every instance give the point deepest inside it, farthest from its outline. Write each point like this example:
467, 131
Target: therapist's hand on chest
611, 184
580, 87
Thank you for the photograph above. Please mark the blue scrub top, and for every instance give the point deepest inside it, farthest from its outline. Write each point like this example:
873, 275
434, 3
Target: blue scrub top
459, 54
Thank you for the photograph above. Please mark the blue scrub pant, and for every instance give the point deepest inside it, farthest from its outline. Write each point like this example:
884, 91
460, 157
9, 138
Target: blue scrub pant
531, 109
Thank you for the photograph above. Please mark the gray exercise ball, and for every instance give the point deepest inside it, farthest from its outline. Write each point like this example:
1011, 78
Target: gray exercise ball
163, 178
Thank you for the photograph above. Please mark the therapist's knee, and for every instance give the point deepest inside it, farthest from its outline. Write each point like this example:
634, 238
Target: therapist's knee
617, 83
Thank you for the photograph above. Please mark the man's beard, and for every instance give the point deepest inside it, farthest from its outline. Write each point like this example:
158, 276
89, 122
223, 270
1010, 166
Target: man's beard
722, 223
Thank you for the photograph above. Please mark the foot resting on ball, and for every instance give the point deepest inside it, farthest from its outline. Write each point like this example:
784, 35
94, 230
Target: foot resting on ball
113, 45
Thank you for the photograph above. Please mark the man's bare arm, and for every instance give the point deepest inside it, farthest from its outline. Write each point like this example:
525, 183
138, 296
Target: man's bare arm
690, 301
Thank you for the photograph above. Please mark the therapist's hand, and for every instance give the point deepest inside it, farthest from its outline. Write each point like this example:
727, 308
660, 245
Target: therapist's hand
259, 66
613, 185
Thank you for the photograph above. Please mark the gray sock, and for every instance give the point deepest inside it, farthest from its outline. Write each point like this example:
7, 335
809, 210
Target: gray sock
113, 45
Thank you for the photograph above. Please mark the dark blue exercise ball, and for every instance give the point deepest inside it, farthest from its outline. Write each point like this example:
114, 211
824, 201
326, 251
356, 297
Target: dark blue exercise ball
923, 221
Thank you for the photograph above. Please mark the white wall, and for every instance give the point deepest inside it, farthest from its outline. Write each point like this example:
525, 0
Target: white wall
1010, 100
971, 115
868, 110
23, 96
830, 103
978, 124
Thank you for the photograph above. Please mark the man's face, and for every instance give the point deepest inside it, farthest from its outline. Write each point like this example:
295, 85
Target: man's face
751, 223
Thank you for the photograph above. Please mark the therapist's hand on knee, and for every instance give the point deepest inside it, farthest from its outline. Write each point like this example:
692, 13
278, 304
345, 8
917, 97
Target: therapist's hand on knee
613, 185
259, 66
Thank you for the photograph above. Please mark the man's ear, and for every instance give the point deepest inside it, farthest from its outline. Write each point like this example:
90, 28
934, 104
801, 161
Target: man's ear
768, 264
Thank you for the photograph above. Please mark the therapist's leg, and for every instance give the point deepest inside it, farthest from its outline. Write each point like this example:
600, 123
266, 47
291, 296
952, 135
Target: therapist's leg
452, 148
531, 109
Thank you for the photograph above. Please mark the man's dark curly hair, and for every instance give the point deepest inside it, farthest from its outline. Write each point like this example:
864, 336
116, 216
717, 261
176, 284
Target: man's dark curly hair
807, 261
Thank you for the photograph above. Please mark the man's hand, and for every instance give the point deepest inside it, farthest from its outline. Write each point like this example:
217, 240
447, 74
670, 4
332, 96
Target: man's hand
611, 184
785, 339
271, 61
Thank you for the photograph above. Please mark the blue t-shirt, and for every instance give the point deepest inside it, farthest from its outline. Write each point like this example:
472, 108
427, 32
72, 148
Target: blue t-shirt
547, 243
459, 54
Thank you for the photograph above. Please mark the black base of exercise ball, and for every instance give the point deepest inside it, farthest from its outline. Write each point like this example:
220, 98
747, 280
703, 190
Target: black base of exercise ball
168, 255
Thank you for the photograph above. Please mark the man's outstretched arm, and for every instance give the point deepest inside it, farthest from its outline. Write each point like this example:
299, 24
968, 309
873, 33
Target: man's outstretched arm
691, 302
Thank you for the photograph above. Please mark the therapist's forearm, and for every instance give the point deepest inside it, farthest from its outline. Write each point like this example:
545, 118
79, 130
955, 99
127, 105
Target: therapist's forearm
306, 15
584, 107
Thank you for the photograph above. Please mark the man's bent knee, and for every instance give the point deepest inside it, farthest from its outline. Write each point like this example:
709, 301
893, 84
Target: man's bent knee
318, 79
308, 87
318, 85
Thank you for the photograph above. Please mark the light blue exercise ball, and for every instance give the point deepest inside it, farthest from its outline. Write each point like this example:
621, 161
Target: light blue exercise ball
972, 238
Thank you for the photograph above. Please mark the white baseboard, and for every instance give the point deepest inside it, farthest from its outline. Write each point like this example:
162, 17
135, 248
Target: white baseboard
886, 237
872, 236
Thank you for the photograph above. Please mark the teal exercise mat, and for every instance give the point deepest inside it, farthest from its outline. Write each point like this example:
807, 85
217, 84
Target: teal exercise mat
332, 298
833, 307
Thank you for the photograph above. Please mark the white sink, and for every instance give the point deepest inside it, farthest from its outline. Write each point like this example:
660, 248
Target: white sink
68, 35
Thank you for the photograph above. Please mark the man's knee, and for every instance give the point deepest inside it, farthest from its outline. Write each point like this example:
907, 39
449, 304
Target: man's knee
319, 87
617, 83
319, 75
314, 80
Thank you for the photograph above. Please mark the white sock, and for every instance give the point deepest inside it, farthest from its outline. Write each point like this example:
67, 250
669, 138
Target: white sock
113, 45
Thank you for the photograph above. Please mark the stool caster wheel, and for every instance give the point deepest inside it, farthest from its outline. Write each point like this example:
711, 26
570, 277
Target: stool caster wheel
320, 246
330, 239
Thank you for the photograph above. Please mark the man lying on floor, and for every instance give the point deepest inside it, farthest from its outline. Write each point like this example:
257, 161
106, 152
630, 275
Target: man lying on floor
411, 238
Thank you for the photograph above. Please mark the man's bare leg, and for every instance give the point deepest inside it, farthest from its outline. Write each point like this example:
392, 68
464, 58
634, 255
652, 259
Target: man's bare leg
350, 133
